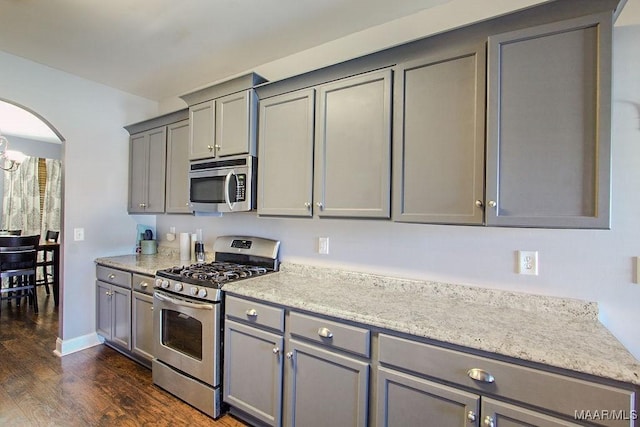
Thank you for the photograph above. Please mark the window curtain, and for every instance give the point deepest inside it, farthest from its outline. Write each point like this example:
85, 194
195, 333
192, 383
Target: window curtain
21, 201
52, 197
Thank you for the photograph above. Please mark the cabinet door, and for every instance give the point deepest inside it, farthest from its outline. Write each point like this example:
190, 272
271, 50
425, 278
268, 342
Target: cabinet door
202, 130
353, 147
121, 316
138, 172
178, 168
253, 371
103, 310
142, 325
439, 117
548, 118
326, 388
500, 414
235, 123
286, 154
405, 400
156, 170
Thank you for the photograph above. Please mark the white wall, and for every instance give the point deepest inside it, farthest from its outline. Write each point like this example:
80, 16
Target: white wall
585, 264
90, 117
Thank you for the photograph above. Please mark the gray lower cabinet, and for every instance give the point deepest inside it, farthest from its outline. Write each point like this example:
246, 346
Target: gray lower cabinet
113, 313
142, 317
549, 125
417, 378
147, 162
177, 194
326, 388
286, 138
439, 116
407, 400
353, 147
124, 312
253, 371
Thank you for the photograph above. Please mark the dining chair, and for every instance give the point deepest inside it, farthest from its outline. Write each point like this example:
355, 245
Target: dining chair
18, 265
42, 265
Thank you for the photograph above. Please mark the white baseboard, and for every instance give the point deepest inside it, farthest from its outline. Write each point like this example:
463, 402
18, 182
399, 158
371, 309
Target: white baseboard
64, 347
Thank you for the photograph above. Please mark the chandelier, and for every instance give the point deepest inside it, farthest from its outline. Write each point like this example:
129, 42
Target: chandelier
9, 159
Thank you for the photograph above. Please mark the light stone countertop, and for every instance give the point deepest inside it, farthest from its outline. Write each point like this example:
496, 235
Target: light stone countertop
559, 332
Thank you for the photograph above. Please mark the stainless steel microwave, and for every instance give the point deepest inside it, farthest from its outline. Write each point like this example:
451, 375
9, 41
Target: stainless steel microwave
224, 185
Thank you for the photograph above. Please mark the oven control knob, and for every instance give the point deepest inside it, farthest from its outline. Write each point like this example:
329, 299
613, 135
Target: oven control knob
177, 287
202, 293
193, 291
158, 283
164, 284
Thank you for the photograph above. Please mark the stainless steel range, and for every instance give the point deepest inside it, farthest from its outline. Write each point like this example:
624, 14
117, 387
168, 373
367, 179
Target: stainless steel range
188, 319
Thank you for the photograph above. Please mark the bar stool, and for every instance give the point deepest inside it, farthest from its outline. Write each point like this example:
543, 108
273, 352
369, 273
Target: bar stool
18, 263
46, 262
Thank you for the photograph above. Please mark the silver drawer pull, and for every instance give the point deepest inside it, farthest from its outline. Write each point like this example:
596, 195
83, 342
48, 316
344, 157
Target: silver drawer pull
252, 313
325, 333
480, 375
112, 276
143, 284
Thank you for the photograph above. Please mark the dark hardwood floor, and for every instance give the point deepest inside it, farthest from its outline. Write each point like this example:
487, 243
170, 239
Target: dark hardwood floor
93, 387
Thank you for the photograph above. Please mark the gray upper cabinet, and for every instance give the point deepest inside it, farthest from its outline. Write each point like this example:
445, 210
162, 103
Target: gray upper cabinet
353, 147
177, 195
202, 130
548, 119
286, 138
439, 115
147, 164
236, 123
224, 126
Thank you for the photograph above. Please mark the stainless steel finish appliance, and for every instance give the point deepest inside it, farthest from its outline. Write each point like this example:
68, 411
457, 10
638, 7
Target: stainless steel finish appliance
188, 320
224, 185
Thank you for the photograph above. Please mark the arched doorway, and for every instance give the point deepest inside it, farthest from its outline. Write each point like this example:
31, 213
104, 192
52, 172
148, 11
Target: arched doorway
30, 172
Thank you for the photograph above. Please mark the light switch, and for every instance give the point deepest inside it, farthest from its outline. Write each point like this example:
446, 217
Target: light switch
78, 234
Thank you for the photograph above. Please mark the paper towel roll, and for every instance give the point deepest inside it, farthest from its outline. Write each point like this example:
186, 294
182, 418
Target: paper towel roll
185, 246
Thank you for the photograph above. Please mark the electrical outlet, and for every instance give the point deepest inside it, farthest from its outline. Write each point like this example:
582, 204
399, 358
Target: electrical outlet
323, 245
78, 234
528, 262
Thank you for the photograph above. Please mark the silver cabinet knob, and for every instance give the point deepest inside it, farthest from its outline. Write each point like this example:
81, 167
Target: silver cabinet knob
492, 204
107, 293
142, 205
289, 355
112, 276
320, 205
480, 375
307, 205
479, 203
489, 421
143, 285
217, 147
471, 417
276, 350
325, 333
210, 147
252, 313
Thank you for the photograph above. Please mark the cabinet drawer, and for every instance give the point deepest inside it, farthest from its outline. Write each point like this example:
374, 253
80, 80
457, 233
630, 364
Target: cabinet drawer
546, 390
113, 276
332, 334
142, 283
255, 313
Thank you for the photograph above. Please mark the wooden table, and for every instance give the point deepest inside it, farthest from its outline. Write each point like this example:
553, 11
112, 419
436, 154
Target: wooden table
54, 249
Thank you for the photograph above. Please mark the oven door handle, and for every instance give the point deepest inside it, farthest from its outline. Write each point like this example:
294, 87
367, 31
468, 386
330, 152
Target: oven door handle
227, 181
182, 303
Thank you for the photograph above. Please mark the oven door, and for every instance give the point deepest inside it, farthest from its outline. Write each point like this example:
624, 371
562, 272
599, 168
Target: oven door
187, 336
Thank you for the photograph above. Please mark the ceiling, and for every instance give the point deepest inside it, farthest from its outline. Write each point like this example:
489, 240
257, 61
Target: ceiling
162, 48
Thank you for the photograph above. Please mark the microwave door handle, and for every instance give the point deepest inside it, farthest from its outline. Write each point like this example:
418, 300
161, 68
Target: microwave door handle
227, 181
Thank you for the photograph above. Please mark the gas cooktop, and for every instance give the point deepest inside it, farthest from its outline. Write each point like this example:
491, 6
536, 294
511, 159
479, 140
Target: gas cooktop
213, 274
